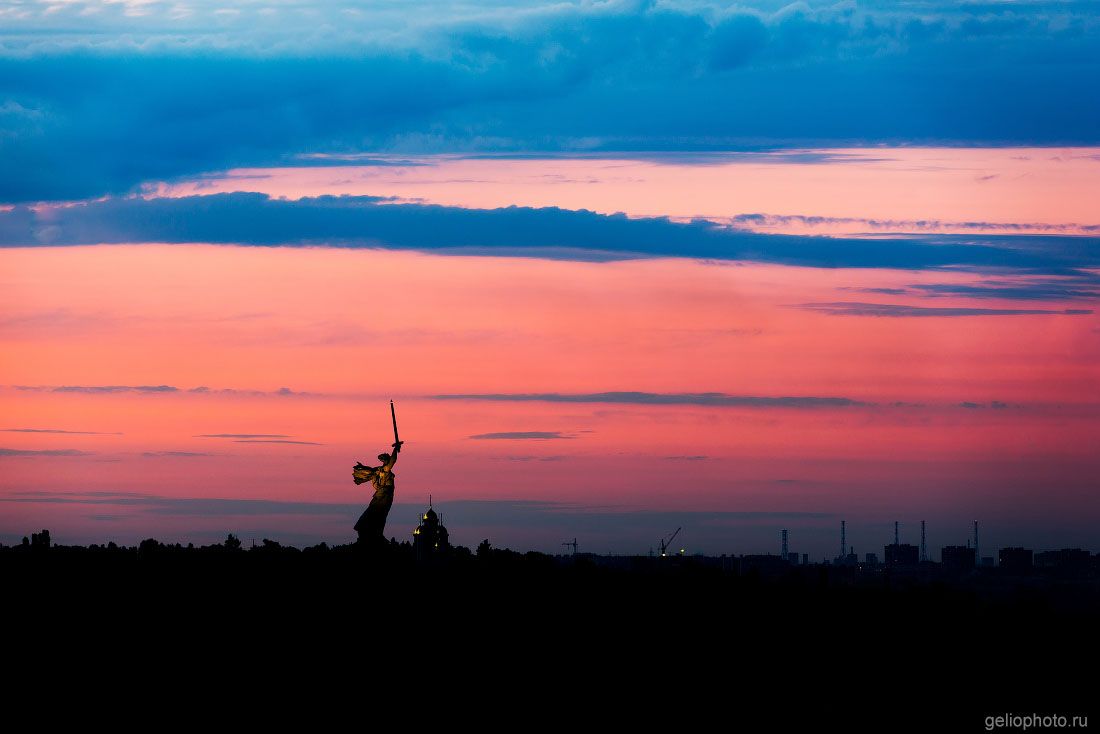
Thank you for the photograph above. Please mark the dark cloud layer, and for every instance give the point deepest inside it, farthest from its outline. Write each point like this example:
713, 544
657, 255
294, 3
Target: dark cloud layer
98, 110
357, 221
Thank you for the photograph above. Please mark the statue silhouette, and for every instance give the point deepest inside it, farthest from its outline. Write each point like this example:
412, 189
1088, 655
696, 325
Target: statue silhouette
372, 523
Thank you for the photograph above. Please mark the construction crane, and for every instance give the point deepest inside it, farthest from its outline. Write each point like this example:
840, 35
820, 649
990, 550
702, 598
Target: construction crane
571, 543
665, 544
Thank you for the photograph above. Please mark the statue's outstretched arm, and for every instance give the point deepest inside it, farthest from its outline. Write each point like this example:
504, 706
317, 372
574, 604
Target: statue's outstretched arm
393, 456
362, 473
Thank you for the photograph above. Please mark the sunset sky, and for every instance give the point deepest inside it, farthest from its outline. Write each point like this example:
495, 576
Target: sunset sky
623, 267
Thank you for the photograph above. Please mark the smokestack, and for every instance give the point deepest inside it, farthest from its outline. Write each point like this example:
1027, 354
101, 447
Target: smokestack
843, 541
923, 546
896, 532
785, 545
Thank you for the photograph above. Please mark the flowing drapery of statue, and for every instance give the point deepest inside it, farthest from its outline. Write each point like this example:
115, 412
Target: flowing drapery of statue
372, 523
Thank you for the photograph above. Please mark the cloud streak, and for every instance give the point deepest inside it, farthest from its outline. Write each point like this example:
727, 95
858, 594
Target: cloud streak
890, 310
107, 389
43, 452
58, 430
521, 435
278, 438
911, 225
1083, 288
646, 398
260, 438
242, 435
160, 389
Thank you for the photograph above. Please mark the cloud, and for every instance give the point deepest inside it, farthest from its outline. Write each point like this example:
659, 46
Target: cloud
58, 430
883, 291
43, 452
177, 454
523, 435
717, 158
846, 308
995, 405
357, 221
281, 392
647, 398
98, 103
260, 438
687, 458
1081, 285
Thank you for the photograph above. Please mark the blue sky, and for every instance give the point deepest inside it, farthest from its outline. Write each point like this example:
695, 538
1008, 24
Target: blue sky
97, 97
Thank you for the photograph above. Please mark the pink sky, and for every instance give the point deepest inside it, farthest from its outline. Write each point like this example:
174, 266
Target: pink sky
1034, 186
261, 319
353, 328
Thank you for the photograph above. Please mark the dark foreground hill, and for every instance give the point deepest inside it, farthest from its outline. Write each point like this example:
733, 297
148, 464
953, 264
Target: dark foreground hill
664, 630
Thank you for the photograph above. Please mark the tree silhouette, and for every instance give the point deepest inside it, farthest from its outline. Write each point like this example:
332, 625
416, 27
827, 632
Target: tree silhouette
148, 546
